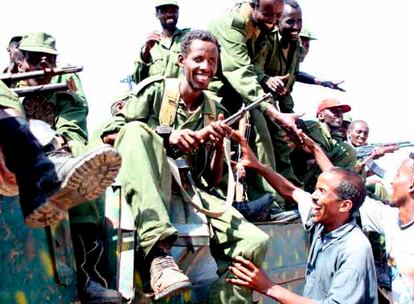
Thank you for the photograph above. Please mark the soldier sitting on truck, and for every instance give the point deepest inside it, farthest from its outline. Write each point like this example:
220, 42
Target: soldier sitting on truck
184, 113
340, 267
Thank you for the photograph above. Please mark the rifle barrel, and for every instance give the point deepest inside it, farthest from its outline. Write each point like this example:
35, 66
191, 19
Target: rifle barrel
233, 118
21, 92
40, 73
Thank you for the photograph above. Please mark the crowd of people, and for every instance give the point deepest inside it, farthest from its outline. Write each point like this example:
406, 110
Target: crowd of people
173, 120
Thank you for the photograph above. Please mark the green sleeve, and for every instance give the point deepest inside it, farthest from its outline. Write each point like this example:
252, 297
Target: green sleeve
141, 69
237, 66
71, 113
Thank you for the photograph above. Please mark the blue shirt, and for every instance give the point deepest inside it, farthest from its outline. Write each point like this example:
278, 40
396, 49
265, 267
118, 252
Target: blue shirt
340, 267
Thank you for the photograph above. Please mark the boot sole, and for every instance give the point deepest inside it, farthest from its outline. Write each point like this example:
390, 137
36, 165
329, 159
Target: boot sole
85, 182
173, 290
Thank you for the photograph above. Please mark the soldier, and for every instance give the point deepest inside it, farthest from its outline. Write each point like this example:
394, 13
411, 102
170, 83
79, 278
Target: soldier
14, 55
184, 111
160, 52
66, 113
278, 63
325, 132
240, 31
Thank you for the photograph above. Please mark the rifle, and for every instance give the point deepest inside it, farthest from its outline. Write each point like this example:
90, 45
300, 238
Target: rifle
367, 155
204, 133
40, 73
46, 88
365, 151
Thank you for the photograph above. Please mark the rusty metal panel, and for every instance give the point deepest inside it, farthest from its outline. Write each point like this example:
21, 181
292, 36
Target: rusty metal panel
34, 270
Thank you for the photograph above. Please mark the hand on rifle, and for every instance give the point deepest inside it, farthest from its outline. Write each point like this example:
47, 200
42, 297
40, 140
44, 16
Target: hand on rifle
287, 121
186, 140
277, 84
382, 150
248, 160
216, 131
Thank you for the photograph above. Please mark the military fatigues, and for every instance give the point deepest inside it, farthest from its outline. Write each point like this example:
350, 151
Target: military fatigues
341, 154
273, 62
8, 99
164, 58
237, 82
147, 185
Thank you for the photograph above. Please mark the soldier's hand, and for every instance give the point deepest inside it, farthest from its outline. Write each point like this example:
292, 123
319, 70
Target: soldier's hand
277, 84
308, 145
287, 121
150, 41
186, 140
217, 130
334, 85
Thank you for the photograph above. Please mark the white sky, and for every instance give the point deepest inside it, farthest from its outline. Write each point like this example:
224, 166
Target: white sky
366, 43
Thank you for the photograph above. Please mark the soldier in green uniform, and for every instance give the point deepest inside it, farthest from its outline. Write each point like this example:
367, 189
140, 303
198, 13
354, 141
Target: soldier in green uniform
278, 63
241, 31
159, 54
181, 107
66, 113
341, 154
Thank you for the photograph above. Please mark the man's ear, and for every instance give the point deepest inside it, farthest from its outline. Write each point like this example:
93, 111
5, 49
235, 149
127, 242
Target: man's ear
180, 59
19, 63
320, 116
346, 206
411, 187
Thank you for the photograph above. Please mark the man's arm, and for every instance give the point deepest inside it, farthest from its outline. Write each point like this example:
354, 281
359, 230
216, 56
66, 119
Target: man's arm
309, 79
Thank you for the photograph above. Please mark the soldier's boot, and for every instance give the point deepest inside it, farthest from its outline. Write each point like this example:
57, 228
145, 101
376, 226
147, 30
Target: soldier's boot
92, 286
167, 279
50, 182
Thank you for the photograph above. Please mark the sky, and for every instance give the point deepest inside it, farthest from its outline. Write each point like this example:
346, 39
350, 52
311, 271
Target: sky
366, 43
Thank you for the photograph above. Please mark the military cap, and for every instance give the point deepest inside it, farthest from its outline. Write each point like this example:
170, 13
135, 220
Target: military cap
347, 118
165, 2
332, 103
38, 42
307, 34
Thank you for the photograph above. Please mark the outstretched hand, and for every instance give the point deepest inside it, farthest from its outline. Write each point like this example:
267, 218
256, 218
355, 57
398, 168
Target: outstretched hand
249, 275
248, 160
277, 84
334, 85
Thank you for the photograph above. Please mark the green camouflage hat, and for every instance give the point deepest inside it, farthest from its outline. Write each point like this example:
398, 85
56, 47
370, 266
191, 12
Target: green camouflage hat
165, 2
347, 117
307, 34
39, 42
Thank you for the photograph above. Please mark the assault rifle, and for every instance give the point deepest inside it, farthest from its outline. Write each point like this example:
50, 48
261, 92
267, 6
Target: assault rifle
40, 73
46, 88
203, 134
367, 154
365, 151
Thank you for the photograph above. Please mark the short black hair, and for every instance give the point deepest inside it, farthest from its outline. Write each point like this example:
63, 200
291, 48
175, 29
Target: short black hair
197, 35
292, 3
358, 121
351, 187
256, 3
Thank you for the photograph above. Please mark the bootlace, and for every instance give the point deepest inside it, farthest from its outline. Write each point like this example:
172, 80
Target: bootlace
161, 263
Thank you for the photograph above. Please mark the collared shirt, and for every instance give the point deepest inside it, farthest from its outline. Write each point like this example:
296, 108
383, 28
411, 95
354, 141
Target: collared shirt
384, 219
340, 266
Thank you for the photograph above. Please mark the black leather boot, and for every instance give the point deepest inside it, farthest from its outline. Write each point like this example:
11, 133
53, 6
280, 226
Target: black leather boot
92, 285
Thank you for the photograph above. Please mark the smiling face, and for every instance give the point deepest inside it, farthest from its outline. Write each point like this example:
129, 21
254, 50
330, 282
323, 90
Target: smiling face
329, 210
333, 117
200, 63
168, 16
267, 14
291, 23
358, 133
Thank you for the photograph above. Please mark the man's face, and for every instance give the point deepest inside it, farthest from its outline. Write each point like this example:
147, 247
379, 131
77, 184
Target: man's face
403, 182
168, 16
333, 117
268, 14
34, 61
200, 64
358, 134
291, 23
14, 53
326, 209
305, 46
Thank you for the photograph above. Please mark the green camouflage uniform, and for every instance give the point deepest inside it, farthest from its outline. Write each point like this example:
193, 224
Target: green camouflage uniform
8, 99
272, 62
164, 58
147, 185
240, 40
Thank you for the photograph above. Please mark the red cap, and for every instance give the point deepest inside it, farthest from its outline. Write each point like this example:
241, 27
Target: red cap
332, 103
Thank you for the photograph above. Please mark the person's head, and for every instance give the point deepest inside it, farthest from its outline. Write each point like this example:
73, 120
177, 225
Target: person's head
305, 37
199, 57
167, 12
118, 105
358, 132
290, 24
338, 194
39, 52
13, 49
267, 13
403, 183
330, 111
